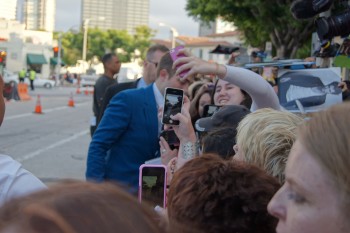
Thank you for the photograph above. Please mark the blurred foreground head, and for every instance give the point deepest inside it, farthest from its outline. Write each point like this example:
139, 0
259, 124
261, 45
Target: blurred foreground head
265, 138
210, 195
317, 186
77, 207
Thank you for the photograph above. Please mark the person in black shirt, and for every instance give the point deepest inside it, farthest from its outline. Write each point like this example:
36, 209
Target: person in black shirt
111, 66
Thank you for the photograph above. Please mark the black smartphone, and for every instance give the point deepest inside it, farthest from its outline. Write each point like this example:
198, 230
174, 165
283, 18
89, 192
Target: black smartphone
210, 109
170, 137
152, 185
173, 100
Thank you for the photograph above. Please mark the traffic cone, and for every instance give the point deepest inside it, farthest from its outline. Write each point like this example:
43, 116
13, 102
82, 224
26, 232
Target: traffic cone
71, 101
38, 109
78, 90
86, 91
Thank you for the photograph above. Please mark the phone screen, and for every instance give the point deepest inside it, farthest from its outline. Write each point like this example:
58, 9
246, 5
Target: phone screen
209, 110
153, 185
172, 105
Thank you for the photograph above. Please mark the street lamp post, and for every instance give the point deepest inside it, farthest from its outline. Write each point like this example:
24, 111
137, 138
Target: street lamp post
59, 56
58, 65
174, 33
86, 27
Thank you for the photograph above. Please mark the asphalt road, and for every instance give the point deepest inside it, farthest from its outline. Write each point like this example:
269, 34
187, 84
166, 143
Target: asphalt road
52, 145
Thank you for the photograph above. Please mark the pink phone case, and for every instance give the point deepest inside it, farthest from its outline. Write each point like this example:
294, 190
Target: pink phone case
165, 181
174, 56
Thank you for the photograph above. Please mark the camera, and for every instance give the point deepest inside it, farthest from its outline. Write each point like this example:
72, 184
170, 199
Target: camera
337, 25
326, 27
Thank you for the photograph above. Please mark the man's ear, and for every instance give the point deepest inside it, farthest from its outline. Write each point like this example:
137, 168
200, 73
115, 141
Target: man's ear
163, 74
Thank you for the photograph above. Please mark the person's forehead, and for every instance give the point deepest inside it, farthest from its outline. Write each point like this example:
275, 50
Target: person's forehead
305, 172
114, 58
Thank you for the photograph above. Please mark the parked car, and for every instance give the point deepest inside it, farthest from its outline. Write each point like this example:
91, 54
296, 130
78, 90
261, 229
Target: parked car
10, 77
88, 80
41, 82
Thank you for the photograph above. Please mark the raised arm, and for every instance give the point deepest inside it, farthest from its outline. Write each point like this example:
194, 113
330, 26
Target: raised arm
259, 89
262, 93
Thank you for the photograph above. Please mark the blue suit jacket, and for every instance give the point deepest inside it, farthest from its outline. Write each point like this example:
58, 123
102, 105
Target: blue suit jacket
126, 137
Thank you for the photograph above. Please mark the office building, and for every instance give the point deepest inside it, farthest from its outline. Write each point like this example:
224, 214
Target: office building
8, 9
39, 14
116, 14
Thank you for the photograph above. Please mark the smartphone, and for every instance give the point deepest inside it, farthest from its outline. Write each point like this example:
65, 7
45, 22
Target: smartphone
210, 109
173, 101
152, 184
170, 137
175, 56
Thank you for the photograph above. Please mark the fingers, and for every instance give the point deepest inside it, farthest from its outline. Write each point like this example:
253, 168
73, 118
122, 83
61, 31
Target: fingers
184, 52
186, 107
163, 144
188, 66
180, 117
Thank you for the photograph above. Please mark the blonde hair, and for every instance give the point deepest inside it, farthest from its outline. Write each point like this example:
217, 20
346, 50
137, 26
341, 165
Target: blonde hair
265, 138
326, 136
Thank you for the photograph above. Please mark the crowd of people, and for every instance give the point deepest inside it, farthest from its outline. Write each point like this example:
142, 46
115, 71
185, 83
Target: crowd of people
247, 165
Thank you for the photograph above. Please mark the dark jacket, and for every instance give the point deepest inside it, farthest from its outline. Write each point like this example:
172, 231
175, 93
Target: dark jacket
112, 91
100, 88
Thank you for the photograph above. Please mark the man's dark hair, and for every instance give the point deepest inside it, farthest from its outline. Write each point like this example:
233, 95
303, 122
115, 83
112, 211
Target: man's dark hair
220, 141
210, 195
337, 90
166, 62
107, 57
154, 48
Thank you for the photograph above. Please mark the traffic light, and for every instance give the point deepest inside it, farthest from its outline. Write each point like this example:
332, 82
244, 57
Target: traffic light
2, 57
55, 51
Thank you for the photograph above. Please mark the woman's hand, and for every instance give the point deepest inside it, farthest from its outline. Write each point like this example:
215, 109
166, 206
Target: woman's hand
343, 86
184, 131
166, 153
195, 65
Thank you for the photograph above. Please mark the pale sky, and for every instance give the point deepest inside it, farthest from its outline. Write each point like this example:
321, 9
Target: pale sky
171, 12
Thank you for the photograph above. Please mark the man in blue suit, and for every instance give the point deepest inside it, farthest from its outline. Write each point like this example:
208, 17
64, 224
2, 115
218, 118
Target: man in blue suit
127, 135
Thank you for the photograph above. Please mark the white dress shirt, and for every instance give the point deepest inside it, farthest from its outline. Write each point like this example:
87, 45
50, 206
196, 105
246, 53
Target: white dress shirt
15, 181
160, 103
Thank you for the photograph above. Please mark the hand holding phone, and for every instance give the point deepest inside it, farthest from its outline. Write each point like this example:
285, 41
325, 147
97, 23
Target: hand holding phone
152, 184
173, 101
174, 55
170, 137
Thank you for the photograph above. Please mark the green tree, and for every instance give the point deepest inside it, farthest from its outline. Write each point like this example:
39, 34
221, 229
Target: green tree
259, 20
104, 41
142, 37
